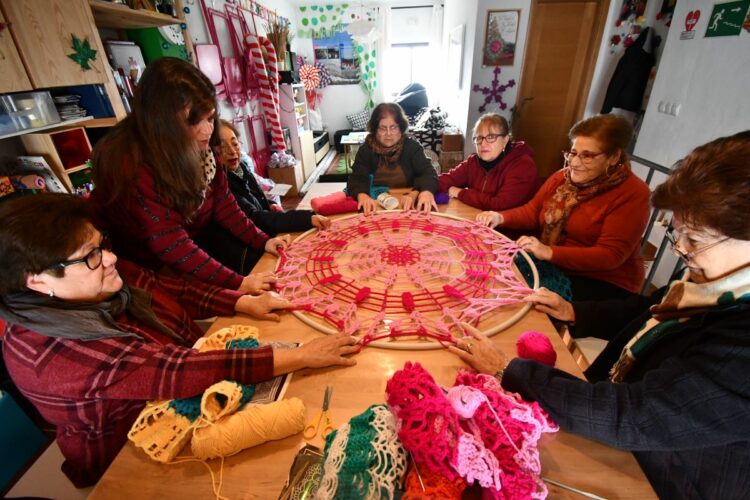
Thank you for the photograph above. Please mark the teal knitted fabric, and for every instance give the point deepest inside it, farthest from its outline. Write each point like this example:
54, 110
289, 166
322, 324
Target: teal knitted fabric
190, 408
354, 480
550, 276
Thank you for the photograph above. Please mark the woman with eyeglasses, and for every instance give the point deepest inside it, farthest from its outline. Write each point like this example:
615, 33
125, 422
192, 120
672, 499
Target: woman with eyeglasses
250, 196
501, 175
590, 215
90, 340
158, 189
672, 385
390, 158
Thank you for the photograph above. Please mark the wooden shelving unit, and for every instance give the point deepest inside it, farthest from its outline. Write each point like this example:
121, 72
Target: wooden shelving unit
109, 15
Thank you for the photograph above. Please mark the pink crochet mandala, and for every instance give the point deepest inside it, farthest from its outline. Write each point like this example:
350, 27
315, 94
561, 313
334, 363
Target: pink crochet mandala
404, 280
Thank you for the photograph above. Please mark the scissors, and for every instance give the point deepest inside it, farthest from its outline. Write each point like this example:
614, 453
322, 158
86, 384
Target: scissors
312, 428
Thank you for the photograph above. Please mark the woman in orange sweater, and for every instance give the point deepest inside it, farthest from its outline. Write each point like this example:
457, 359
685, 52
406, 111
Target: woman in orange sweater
590, 215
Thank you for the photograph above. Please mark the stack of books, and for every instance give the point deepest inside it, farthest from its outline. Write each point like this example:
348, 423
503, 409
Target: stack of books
68, 106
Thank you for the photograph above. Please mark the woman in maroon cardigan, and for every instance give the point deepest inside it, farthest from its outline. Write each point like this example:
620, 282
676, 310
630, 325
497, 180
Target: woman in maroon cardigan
91, 339
501, 175
158, 188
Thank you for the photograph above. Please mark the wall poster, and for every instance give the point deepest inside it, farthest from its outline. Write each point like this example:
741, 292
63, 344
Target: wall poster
501, 34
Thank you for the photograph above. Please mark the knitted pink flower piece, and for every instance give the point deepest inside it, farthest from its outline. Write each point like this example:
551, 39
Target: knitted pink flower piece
427, 425
475, 463
536, 346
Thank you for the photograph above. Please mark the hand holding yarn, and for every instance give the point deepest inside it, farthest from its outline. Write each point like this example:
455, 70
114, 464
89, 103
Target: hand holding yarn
320, 222
489, 219
261, 306
280, 242
535, 247
257, 283
549, 302
366, 204
479, 352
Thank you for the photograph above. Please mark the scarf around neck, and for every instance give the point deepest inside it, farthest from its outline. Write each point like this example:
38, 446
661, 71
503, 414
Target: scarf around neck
54, 317
683, 300
569, 195
387, 155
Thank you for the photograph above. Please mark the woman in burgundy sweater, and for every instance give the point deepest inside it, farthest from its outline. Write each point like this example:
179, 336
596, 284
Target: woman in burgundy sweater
501, 175
590, 215
90, 340
158, 188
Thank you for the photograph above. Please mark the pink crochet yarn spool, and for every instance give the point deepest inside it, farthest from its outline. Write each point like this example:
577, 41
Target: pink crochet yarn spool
320, 201
535, 345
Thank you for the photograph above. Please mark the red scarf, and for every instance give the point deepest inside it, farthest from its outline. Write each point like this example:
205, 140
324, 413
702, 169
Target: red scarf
569, 194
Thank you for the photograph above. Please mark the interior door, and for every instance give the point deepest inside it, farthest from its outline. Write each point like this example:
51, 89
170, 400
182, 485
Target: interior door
563, 43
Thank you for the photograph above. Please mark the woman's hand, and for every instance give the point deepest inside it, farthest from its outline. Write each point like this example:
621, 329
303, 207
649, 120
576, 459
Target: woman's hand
320, 222
273, 245
366, 204
479, 352
257, 283
489, 219
260, 306
328, 350
535, 247
549, 302
454, 191
426, 202
408, 200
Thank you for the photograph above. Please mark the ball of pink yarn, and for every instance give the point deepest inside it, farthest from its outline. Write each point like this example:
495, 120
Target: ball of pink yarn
536, 346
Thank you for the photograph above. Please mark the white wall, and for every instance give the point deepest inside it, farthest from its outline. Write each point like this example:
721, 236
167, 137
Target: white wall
483, 76
609, 57
707, 78
455, 100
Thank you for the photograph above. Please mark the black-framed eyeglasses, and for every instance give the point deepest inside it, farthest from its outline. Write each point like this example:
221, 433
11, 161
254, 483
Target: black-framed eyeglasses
586, 157
490, 138
93, 259
673, 237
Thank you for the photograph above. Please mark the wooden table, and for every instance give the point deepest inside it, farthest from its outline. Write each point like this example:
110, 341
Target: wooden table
260, 472
351, 143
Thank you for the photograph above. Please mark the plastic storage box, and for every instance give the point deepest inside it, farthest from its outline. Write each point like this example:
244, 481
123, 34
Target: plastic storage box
26, 111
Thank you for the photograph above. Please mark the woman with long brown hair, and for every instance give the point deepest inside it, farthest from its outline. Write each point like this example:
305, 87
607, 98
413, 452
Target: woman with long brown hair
590, 215
158, 188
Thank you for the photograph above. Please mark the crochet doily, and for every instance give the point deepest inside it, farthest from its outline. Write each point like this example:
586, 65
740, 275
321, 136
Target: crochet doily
404, 280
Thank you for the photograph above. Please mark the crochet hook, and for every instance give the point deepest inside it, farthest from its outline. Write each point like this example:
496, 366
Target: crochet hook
570, 488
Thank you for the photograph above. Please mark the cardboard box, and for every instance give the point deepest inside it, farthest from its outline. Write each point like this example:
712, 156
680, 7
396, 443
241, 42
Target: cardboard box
449, 159
285, 175
453, 142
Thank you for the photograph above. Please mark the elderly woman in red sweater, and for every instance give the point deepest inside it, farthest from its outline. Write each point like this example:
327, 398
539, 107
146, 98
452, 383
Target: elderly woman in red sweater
90, 339
158, 191
590, 215
501, 175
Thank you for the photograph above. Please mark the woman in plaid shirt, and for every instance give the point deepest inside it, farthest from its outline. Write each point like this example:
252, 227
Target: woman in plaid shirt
90, 339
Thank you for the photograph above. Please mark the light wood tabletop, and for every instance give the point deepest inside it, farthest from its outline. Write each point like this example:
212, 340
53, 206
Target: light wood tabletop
260, 472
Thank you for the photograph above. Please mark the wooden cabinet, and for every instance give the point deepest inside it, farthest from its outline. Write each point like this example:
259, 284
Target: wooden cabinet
11, 67
43, 31
66, 151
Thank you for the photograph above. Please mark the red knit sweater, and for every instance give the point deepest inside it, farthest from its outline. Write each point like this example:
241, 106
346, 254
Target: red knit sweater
145, 230
601, 238
92, 391
508, 184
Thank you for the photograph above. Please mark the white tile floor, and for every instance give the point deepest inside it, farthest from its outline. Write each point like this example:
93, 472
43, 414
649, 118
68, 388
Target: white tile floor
45, 479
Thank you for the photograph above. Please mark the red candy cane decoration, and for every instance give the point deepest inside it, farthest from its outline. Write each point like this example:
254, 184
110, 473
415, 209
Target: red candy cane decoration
269, 86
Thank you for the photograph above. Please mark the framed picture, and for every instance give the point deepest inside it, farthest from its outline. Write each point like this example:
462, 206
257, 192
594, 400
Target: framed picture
500, 37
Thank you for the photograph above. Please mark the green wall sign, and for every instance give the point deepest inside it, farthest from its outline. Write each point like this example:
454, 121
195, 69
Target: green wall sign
727, 18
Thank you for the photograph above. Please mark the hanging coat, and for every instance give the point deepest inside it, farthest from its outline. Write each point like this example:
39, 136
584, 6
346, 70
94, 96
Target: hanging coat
629, 80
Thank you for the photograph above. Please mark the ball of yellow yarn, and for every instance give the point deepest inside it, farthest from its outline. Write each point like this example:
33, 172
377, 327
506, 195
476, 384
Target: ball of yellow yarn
250, 427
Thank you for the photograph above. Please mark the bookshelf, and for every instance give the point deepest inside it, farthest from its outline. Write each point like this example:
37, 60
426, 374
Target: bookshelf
294, 116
